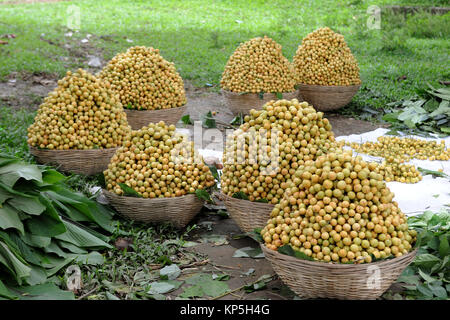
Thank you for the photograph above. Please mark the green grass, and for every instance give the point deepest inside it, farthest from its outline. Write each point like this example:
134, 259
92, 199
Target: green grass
13, 132
199, 37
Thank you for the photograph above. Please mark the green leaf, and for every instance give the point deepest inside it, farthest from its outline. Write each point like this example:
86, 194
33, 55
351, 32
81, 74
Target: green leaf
221, 277
5, 293
261, 95
20, 270
237, 120
279, 95
45, 225
186, 119
391, 117
425, 290
170, 272
432, 172
46, 291
4, 195
438, 291
192, 292
80, 237
262, 200
444, 248
208, 120
203, 195
214, 288
255, 234
160, 287
240, 195
28, 205
249, 252
110, 296
9, 218
288, 250
11, 173
129, 192
426, 260
426, 276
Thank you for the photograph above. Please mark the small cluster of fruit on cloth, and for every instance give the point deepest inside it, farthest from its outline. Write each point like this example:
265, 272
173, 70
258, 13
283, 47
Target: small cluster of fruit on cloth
144, 80
339, 209
156, 161
324, 58
258, 65
264, 170
81, 113
396, 151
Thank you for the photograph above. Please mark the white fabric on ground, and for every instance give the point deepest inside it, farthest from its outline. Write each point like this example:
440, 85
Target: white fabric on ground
428, 194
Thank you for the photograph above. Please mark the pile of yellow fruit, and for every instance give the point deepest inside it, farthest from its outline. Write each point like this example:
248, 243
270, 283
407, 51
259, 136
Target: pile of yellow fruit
339, 210
81, 113
148, 162
262, 156
396, 151
404, 149
324, 58
258, 65
144, 80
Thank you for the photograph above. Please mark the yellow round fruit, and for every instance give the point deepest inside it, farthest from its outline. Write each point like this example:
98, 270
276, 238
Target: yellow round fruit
258, 65
323, 58
144, 80
81, 113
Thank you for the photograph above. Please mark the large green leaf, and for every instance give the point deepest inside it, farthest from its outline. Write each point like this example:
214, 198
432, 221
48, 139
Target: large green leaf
20, 270
80, 237
4, 195
71, 247
36, 241
45, 225
28, 205
38, 275
9, 218
5, 293
46, 291
10, 173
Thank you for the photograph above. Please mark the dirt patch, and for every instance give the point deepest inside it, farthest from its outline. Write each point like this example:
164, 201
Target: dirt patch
22, 90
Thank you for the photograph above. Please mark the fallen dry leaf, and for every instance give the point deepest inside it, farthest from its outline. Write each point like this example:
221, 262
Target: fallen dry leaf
123, 243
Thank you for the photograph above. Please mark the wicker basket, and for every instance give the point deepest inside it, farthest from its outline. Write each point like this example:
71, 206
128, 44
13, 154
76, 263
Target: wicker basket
140, 118
327, 98
311, 279
177, 210
247, 214
244, 102
87, 162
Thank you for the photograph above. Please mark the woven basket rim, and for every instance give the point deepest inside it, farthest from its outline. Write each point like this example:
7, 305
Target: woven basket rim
255, 94
155, 110
126, 198
71, 150
339, 266
237, 199
319, 87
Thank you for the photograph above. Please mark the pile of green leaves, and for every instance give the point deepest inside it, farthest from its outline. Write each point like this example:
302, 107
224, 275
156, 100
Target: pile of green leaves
428, 112
44, 227
428, 277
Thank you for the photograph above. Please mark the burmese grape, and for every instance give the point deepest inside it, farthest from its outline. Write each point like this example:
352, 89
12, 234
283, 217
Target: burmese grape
81, 113
261, 158
148, 163
355, 225
323, 58
144, 80
258, 65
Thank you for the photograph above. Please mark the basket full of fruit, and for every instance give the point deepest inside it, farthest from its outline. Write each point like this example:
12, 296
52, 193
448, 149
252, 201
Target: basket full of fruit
327, 72
79, 126
337, 233
256, 73
149, 87
261, 157
155, 177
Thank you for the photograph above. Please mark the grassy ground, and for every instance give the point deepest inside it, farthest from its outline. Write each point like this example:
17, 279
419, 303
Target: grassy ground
199, 38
